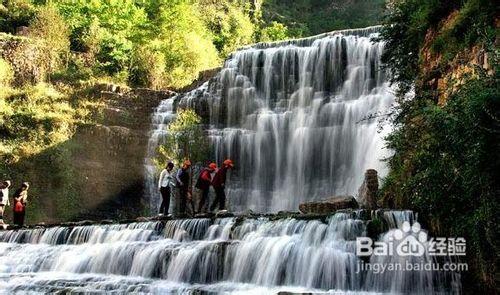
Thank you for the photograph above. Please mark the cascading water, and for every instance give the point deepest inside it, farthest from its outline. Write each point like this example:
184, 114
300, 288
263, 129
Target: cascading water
295, 117
229, 255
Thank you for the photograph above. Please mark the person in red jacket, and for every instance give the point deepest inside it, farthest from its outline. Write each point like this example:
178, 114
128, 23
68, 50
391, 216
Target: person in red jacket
219, 182
203, 184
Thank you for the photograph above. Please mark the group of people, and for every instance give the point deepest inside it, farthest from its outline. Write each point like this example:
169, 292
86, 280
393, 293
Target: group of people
20, 198
210, 176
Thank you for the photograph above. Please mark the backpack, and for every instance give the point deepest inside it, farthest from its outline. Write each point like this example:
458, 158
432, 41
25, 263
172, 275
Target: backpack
18, 207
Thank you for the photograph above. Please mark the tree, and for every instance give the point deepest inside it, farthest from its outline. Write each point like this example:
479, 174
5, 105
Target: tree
51, 31
185, 139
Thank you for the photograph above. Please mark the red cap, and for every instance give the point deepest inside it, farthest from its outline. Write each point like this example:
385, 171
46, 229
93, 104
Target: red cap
229, 163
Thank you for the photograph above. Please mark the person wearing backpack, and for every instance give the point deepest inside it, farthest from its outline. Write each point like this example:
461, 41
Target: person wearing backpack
165, 184
4, 198
203, 184
20, 200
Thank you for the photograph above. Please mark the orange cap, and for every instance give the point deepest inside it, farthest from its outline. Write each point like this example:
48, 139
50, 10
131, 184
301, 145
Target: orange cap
229, 163
212, 166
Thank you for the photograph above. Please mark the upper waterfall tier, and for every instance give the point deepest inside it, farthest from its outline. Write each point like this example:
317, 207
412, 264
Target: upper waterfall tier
294, 116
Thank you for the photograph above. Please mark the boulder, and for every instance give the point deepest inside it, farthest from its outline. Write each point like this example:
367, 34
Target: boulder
367, 194
329, 205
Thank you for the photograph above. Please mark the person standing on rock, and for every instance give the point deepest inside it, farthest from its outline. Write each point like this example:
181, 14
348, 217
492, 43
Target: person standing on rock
4, 198
219, 183
165, 184
203, 184
183, 183
20, 200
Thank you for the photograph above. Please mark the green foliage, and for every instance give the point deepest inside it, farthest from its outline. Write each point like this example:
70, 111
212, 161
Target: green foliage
446, 166
185, 140
51, 31
148, 67
179, 33
311, 17
446, 157
6, 73
34, 118
273, 32
409, 21
105, 29
229, 23
15, 13
164, 43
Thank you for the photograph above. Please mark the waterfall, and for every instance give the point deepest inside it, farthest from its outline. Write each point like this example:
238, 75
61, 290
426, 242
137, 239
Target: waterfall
297, 117
240, 255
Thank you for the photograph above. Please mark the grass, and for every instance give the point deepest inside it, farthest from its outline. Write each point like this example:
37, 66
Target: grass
34, 118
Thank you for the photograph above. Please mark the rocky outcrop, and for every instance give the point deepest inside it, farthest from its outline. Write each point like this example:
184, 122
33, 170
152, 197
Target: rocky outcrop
445, 74
329, 205
367, 194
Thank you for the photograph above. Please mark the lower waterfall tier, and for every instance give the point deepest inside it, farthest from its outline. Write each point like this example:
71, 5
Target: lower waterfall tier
236, 254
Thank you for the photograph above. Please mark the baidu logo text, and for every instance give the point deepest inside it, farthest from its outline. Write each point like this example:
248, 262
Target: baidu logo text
410, 240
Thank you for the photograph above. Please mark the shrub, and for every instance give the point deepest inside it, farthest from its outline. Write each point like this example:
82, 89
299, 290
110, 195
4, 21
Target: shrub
51, 31
273, 32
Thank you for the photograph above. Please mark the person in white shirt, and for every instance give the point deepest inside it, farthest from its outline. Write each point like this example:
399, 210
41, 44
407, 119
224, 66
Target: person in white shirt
4, 198
165, 184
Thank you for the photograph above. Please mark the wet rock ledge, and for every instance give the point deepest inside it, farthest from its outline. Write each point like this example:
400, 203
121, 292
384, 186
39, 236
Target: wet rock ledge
374, 218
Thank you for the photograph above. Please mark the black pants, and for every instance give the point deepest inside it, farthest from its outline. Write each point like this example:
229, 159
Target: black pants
203, 200
19, 217
165, 199
220, 198
183, 195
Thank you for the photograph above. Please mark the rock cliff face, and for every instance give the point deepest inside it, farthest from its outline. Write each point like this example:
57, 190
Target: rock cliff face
111, 157
98, 173
445, 75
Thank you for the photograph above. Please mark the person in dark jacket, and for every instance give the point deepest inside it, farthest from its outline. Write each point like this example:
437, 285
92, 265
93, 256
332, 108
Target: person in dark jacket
183, 179
203, 184
20, 200
219, 183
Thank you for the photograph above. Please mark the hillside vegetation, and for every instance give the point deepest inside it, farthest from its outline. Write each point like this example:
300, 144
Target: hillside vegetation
447, 139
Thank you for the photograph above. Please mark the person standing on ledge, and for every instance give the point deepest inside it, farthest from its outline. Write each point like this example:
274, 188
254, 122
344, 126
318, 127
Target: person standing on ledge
4, 198
20, 200
165, 184
203, 184
219, 183
183, 179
